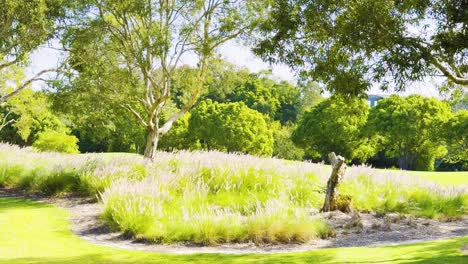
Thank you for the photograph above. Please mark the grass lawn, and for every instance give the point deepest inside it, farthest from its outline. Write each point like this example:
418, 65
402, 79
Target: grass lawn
32, 232
443, 177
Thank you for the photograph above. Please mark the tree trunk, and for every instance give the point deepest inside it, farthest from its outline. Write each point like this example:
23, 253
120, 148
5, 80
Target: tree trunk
152, 139
337, 174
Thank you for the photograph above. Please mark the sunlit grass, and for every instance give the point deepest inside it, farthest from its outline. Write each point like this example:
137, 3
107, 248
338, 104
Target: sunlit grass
32, 232
212, 197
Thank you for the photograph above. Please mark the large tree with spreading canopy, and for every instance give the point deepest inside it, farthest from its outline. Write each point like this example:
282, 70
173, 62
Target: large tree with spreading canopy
352, 45
126, 53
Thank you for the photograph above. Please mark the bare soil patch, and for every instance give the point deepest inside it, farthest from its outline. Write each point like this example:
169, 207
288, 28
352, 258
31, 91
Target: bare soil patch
352, 230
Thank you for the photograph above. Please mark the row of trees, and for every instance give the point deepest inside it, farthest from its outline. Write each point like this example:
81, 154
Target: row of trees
254, 114
413, 131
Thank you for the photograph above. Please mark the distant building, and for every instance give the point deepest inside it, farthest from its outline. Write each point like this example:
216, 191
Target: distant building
372, 99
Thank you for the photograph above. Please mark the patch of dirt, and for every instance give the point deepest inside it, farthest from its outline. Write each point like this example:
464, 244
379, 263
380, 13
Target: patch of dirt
352, 230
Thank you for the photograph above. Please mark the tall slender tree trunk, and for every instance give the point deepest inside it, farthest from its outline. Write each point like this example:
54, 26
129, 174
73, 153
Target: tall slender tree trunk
152, 139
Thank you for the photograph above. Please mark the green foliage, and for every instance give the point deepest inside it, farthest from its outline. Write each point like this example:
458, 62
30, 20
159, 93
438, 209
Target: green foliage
55, 141
31, 114
352, 45
335, 125
258, 94
456, 135
179, 137
410, 128
232, 127
26, 25
279, 100
284, 147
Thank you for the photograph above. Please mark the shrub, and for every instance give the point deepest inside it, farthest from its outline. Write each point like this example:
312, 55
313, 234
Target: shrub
58, 142
231, 127
335, 125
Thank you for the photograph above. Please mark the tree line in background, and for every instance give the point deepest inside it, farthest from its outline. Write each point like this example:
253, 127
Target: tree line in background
122, 85
253, 113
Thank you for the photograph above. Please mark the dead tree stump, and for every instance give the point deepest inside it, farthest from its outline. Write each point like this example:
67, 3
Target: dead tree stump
338, 171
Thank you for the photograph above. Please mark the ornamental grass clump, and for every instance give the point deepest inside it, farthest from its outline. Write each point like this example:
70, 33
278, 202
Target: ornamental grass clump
166, 211
387, 193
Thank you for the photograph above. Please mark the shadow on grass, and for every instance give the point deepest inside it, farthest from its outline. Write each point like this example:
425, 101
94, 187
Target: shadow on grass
175, 259
257, 259
8, 204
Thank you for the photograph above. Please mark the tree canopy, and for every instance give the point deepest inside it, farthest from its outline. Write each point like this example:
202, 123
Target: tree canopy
411, 129
335, 125
231, 127
353, 45
24, 26
139, 44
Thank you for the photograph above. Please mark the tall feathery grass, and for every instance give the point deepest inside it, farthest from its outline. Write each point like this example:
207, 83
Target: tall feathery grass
211, 197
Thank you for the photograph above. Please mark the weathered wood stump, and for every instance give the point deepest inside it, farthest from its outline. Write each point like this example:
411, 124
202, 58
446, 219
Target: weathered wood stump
338, 171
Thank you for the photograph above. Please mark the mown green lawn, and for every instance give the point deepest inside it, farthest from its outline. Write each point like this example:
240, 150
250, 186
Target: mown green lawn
443, 177
32, 232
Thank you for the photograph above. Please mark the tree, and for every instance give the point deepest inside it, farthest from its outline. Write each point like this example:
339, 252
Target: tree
351, 45
138, 45
29, 114
411, 129
335, 125
280, 100
284, 147
231, 127
258, 94
456, 136
25, 25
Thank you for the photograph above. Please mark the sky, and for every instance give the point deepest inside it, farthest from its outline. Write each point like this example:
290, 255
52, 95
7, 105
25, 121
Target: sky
237, 54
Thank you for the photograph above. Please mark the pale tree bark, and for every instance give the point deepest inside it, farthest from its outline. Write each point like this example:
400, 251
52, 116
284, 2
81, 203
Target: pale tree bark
25, 84
338, 171
5, 121
153, 56
152, 140
450, 71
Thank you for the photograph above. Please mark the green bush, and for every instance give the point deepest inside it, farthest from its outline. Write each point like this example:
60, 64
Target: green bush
58, 142
231, 127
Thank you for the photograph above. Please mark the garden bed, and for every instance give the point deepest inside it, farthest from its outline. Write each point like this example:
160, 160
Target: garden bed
351, 230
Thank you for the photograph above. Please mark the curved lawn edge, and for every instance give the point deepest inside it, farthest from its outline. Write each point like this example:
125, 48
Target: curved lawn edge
35, 232
85, 223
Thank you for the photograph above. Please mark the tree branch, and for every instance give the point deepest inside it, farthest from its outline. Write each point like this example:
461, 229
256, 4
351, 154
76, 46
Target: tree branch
438, 64
9, 63
135, 113
449, 74
5, 122
36, 77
